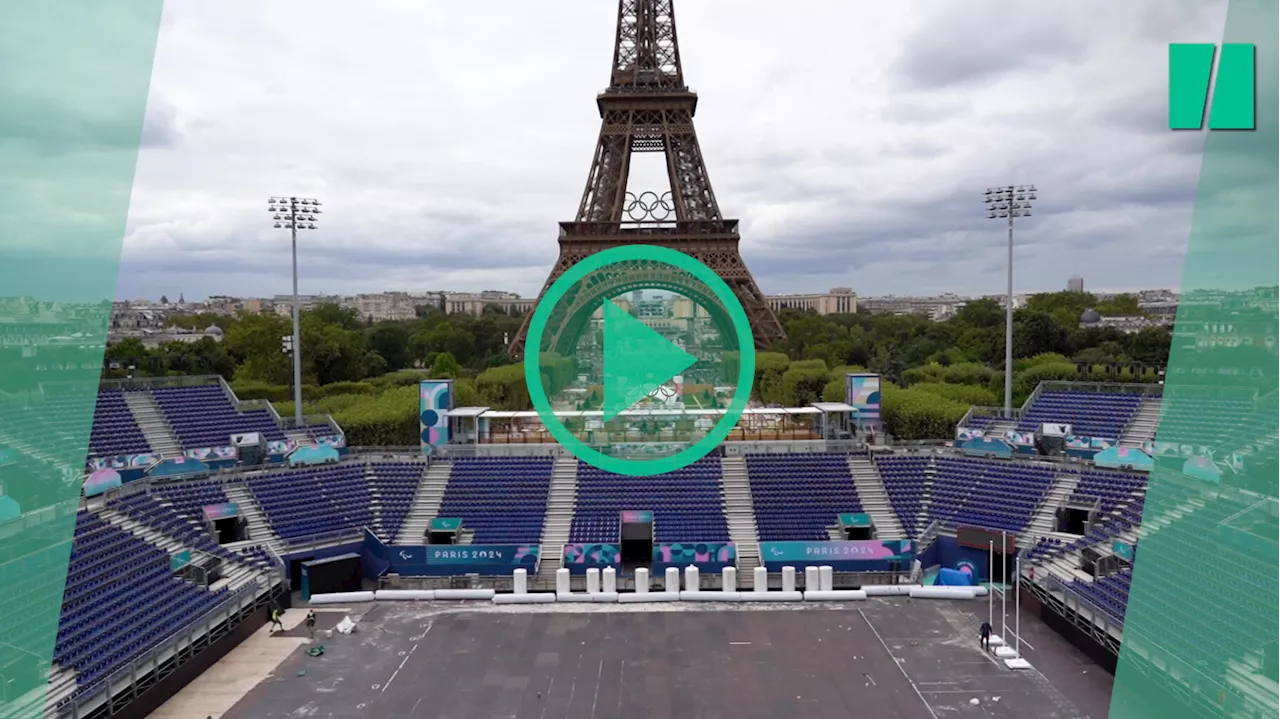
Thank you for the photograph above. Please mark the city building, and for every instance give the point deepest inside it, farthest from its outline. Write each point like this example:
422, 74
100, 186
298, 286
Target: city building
1075, 284
839, 301
475, 303
936, 308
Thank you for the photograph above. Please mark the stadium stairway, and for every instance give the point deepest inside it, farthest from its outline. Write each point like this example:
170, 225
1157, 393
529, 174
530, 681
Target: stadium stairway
1044, 521
1143, 427
562, 502
375, 500
147, 414
426, 503
298, 434
998, 428
258, 526
875, 501
235, 575
739, 512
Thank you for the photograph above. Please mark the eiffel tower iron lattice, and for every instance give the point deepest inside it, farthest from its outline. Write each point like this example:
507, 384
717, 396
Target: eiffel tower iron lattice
649, 108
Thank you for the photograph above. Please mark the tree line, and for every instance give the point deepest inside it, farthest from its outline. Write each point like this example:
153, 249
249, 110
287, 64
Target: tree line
362, 372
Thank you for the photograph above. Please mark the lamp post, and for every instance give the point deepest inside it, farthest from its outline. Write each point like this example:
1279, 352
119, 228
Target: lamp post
295, 213
1009, 202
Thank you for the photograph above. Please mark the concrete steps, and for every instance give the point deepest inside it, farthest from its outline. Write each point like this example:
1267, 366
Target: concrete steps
297, 434
874, 498
562, 502
259, 528
1143, 427
1045, 519
154, 426
740, 512
426, 504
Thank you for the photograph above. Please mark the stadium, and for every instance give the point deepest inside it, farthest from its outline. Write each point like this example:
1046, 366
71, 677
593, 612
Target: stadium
430, 528
201, 511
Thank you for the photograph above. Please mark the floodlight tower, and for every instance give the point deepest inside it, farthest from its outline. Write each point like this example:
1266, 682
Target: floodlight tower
1009, 202
295, 213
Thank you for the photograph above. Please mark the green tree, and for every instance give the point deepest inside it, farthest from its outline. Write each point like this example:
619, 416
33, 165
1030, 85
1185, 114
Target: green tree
391, 341
444, 366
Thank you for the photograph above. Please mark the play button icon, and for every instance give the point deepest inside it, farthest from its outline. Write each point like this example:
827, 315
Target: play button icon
637, 360
642, 328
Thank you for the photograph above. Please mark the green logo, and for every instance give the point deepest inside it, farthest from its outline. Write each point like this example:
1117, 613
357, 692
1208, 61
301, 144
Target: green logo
1191, 68
633, 369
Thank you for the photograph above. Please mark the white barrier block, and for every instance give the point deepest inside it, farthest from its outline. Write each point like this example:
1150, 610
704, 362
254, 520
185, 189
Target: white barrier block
648, 597
826, 578
760, 579
605, 598
980, 591
995, 640
642, 580
710, 597
942, 593
341, 598
672, 580
545, 598
836, 595
788, 579
562, 581
404, 595
771, 596
811, 580
520, 581
1017, 663
889, 590
729, 580
465, 594
593, 581
691, 583
610, 580
568, 598
1006, 652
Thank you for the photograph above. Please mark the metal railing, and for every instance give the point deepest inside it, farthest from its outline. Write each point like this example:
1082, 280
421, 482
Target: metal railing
1099, 615
160, 382
147, 660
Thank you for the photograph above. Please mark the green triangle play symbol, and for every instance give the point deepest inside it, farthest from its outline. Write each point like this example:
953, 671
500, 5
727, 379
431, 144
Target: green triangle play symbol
637, 360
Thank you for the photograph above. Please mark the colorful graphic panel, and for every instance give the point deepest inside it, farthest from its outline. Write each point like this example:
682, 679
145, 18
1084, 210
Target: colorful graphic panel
101, 481
215, 512
863, 392
707, 556
578, 558
849, 556
435, 399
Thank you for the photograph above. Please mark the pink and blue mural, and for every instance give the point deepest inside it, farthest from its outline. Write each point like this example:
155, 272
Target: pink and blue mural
435, 399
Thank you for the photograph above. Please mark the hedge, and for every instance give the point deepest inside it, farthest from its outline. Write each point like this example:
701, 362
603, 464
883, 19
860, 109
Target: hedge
963, 393
910, 414
504, 388
386, 420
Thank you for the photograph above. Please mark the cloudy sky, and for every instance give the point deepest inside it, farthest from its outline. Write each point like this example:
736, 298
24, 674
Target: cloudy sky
853, 140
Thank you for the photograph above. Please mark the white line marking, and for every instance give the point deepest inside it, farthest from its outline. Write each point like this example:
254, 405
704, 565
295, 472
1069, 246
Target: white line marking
397, 671
596, 698
906, 676
739, 644
404, 661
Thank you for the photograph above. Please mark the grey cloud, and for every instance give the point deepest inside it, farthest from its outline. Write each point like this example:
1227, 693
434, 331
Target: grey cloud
446, 154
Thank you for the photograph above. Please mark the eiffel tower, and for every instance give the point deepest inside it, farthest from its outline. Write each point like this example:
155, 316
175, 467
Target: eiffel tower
648, 108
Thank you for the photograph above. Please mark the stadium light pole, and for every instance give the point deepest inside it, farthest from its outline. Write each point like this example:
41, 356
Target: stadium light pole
295, 213
991, 586
1007, 203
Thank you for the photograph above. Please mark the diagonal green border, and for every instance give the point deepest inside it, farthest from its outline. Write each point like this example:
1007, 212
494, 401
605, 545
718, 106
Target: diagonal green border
1202, 611
74, 80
